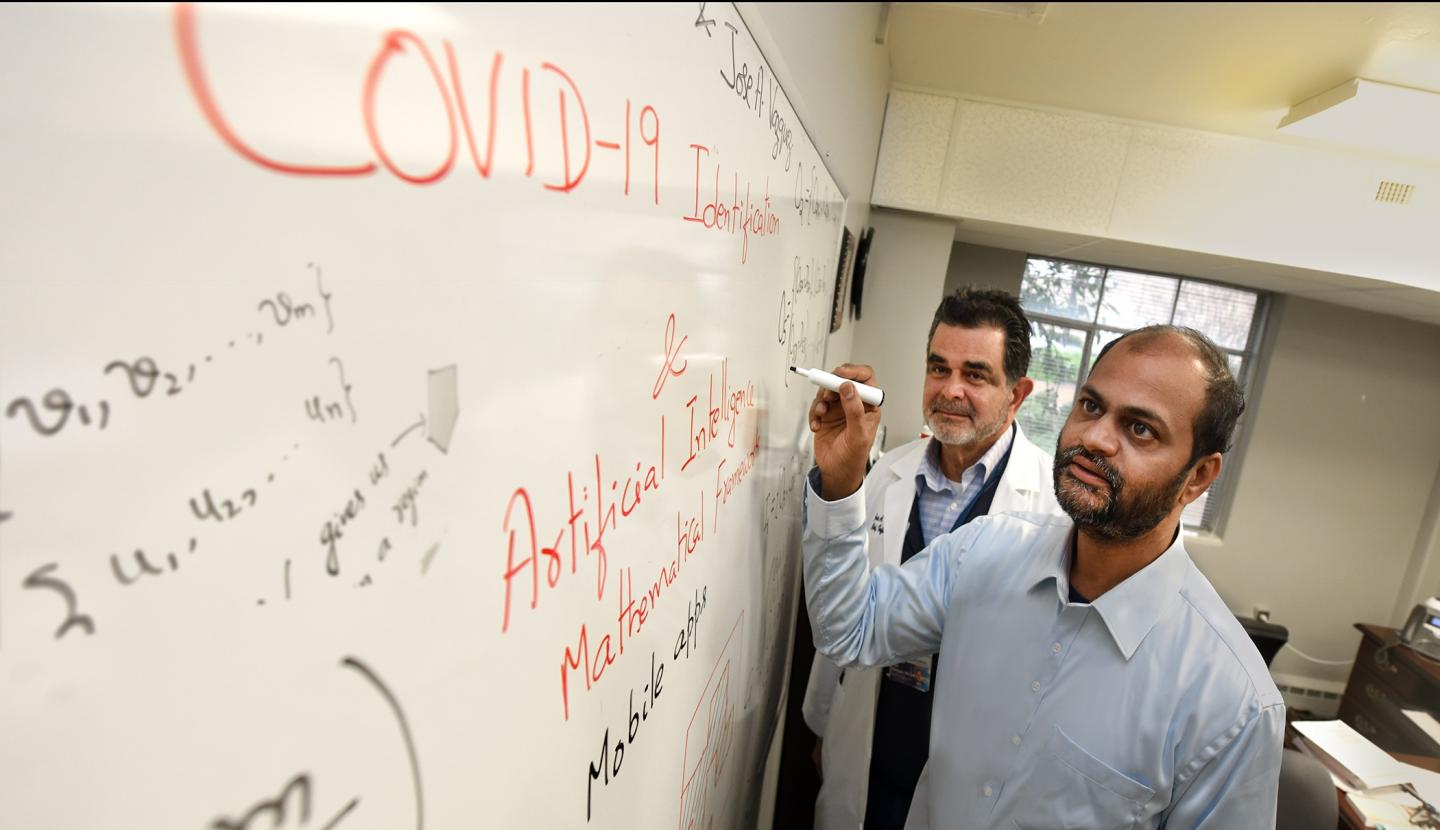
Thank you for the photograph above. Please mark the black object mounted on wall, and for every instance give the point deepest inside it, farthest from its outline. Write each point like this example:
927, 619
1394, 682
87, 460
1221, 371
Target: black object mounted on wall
842, 273
862, 256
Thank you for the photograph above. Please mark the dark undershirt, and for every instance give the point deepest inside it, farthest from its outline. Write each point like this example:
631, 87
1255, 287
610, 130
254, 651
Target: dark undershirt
1075, 595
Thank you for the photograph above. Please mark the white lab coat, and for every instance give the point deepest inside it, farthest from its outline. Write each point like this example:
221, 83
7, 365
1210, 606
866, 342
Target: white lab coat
844, 713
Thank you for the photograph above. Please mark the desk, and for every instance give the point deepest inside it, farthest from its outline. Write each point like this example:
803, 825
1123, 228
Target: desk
1374, 696
1349, 819
1379, 689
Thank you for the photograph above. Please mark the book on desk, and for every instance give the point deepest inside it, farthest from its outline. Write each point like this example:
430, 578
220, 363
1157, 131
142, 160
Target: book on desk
1384, 791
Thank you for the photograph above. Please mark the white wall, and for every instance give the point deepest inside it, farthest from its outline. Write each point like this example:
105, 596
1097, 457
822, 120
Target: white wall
837, 78
908, 261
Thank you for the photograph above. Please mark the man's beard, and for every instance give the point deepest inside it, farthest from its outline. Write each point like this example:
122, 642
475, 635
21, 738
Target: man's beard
1119, 517
952, 435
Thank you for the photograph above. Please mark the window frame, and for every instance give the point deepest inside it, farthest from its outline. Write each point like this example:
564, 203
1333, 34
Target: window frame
1256, 349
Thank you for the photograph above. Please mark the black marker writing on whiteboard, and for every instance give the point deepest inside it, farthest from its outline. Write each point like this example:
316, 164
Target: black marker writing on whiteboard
825, 380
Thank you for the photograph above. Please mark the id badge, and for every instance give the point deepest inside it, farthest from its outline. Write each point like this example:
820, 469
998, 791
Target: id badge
913, 673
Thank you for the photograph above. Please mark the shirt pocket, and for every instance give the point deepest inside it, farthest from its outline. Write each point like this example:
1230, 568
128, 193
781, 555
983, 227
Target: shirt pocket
1070, 789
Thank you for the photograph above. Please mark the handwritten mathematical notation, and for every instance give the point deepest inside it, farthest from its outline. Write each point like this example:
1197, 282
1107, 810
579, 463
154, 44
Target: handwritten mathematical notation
218, 507
296, 798
145, 379
212, 507
330, 409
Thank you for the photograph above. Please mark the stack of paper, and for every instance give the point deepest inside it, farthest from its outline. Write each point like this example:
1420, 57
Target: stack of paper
1368, 774
1350, 756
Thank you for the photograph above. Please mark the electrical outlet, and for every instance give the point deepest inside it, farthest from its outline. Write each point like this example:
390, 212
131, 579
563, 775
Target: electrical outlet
1262, 613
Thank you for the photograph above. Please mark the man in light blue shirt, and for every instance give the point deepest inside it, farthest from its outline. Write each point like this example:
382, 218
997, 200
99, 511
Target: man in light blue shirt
1089, 675
977, 461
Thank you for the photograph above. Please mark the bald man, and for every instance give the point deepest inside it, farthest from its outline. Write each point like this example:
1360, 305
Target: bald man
1089, 674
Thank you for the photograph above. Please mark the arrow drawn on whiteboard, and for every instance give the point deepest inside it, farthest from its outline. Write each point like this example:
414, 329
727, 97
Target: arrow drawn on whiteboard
365, 671
401, 437
444, 390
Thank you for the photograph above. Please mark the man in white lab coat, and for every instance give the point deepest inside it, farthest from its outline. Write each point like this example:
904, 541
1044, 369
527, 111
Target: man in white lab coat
874, 724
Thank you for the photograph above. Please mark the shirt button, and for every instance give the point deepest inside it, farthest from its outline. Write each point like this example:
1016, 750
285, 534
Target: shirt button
989, 790
954, 506
1035, 687
1015, 740
1055, 649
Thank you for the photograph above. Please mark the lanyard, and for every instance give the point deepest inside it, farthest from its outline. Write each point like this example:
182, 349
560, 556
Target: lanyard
979, 505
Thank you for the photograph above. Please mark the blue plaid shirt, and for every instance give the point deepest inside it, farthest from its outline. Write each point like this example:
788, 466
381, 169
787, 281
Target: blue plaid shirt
942, 500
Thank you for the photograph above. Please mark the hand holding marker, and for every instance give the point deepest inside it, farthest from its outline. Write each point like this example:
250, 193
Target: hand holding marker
825, 380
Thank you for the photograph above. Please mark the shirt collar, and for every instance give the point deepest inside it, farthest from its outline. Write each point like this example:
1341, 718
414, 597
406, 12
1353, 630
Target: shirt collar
1131, 609
930, 474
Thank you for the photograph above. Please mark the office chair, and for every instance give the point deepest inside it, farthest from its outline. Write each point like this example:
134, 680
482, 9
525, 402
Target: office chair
1307, 798
1268, 637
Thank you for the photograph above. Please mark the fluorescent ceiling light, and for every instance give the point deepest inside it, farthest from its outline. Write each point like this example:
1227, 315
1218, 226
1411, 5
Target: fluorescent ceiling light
1371, 116
1032, 12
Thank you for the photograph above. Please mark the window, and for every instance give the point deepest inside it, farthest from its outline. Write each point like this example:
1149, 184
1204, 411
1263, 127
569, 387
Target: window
1077, 308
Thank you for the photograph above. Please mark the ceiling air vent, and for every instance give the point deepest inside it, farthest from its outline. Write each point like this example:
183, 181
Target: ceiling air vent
1394, 193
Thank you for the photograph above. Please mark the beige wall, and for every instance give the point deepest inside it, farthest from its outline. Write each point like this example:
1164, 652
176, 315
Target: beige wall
1335, 517
908, 260
1422, 577
1330, 510
984, 267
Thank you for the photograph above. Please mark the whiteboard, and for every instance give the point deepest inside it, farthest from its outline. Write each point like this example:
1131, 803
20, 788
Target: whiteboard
396, 428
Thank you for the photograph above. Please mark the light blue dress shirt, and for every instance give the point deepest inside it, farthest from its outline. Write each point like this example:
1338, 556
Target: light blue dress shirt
1149, 708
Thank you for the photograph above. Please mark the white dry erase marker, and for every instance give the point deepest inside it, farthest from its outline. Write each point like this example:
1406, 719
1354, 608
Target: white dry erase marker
825, 380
